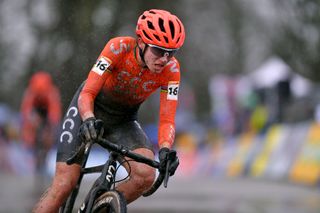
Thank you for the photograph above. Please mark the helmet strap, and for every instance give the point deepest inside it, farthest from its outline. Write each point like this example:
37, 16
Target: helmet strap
142, 53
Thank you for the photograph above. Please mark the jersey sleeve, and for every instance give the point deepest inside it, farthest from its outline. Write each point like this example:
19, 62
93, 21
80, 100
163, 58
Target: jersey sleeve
168, 104
54, 108
100, 71
26, 109
27, 104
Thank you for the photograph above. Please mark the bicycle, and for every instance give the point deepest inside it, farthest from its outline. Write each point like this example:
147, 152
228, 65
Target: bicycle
42, 143
40, 151
43, 140
102, 197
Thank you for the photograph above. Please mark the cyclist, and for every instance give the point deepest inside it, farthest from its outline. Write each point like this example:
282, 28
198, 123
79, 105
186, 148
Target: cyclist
126, 72
40, 109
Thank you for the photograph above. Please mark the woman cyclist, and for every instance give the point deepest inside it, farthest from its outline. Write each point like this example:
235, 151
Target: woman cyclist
126, 73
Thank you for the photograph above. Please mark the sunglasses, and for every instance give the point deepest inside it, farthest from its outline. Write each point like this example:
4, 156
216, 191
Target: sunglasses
162, 52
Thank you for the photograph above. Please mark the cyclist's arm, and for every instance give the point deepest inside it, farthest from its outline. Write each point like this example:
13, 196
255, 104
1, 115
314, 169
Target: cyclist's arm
167, 121
26, 111
89, 92
100, 71
54, 108
168, 105
27, 105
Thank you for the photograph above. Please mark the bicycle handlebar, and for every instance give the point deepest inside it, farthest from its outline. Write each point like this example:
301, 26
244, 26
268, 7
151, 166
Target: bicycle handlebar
163, 177
139, 158
126, 152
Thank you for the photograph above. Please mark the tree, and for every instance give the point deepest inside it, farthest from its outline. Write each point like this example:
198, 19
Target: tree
298, 37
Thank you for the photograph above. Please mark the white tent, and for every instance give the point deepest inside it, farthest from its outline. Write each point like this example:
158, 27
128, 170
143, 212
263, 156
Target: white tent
275, 70
270, 73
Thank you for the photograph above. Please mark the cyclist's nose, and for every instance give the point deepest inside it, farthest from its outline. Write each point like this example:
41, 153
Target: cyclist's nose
165, 58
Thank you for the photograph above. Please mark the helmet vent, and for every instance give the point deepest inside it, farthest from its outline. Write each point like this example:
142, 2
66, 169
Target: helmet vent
161, 25
157, 37
143, 17
146, 35
171, 28
150, 25
166, 38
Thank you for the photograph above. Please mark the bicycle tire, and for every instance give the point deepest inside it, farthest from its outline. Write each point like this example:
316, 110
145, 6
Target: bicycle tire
110, 202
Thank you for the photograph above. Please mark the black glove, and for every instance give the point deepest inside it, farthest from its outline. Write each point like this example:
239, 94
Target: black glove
90, 129
167, 155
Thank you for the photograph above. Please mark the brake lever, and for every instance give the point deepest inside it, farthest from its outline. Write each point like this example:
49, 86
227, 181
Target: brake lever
172, 155
84, 147
166, 175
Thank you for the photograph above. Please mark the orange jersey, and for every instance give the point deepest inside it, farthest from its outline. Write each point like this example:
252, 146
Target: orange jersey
34, 102
48, 101
119, 77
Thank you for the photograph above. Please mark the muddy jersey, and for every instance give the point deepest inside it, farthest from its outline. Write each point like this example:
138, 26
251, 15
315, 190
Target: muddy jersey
117, 78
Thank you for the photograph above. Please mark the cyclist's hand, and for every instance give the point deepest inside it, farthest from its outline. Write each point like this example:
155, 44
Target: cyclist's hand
167, 155
90, 129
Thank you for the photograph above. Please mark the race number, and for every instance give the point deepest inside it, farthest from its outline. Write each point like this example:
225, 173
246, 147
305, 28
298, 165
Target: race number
101, 65
173, 89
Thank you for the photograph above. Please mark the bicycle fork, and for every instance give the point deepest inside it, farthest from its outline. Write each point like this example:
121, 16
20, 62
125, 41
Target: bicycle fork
102, 184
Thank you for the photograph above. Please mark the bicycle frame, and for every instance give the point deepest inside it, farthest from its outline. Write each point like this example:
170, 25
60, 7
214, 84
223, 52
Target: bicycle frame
108, 172
103, 182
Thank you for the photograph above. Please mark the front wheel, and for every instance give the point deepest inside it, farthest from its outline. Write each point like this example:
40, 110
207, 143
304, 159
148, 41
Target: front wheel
110, 202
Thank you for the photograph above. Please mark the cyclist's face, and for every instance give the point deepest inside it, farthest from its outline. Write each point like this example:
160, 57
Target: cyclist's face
156, 58
160, 52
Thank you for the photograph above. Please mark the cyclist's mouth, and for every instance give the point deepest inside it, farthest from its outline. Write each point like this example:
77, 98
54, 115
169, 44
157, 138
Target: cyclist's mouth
158, 66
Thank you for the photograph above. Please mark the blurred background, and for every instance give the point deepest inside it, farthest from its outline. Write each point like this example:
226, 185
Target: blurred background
248, 121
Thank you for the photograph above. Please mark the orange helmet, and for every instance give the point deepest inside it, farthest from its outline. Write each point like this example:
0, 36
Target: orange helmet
40, 82
161, 28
